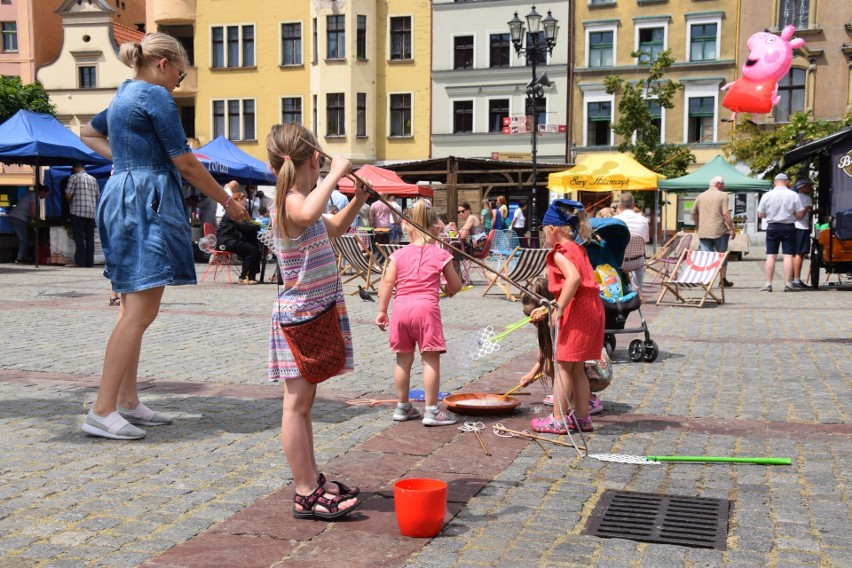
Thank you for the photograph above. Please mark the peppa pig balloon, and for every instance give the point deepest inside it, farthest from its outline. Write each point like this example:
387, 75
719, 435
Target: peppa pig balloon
769, 59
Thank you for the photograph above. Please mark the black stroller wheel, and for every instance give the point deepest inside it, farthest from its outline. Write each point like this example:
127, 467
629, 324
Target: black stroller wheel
651, 351
609, 343
636, 350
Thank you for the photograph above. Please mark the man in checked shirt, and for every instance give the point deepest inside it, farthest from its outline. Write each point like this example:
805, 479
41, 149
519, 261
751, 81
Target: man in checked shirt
82, 193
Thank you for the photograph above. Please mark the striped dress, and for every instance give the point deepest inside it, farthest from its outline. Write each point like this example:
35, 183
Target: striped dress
311, 282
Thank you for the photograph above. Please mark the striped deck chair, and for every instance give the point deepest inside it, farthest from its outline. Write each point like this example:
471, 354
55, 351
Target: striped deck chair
387, 251
668, 256
695, 271
359, 260
634, 260
523, 265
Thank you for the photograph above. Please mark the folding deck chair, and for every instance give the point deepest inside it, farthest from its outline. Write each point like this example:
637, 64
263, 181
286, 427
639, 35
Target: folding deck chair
634, 259
361, 261
668, 255
696, 270
387, 251
522, 265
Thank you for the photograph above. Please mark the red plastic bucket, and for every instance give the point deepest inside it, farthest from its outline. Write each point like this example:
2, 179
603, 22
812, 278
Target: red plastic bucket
420, 505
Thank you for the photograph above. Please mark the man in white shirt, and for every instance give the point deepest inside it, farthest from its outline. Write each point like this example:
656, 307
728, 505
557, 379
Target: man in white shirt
781, 208
637, 224
803, 230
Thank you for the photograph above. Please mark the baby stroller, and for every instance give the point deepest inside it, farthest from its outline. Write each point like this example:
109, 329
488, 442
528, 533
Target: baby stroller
618, 298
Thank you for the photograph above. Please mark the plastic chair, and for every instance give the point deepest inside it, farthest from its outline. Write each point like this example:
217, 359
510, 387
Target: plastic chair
220, 259
522, 266
695, 270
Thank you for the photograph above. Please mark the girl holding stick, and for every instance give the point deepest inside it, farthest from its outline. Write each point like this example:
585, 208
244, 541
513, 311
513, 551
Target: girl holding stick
579, 315
308, 268
415, 271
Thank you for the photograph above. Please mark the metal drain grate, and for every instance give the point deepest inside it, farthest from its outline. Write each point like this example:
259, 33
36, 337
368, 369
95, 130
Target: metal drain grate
668, 519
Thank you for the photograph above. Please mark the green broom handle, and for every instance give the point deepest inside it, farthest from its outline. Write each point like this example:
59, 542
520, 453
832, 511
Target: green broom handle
720, 459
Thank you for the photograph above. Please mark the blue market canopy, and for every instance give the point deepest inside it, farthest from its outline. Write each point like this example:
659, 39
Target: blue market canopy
699, 180
39, 139
226, 162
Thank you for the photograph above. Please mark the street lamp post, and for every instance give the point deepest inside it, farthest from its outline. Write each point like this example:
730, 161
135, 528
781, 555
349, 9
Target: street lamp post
535, 88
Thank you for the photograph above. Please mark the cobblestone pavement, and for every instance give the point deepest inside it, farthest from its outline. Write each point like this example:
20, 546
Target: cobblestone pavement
765, 374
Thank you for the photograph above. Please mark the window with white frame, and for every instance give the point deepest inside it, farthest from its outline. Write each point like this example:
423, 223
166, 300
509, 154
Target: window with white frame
499, 50
703, 38
600, 50
498, 109
657, 118
651, 41
463, 52
598, 121
335, 114
87, 77
400, 114
291, 43
538, 44
791, 90
291, 110
701, 119
462, 116
400, 38
235, 119
10, 36
232, 46
335, 31
361, 115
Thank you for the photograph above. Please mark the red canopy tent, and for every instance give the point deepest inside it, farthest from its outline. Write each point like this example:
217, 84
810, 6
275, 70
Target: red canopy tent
385, 181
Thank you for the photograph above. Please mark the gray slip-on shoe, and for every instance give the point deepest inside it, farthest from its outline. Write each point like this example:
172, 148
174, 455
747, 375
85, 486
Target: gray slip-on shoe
144, 416
113, 426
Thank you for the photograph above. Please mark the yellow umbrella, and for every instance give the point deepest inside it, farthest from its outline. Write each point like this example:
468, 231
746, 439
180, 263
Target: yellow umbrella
604, 173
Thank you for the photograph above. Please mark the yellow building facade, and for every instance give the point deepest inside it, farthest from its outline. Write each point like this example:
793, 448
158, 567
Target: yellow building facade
356, 73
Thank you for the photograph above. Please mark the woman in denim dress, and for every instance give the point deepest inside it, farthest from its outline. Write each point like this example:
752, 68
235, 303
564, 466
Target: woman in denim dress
142, 220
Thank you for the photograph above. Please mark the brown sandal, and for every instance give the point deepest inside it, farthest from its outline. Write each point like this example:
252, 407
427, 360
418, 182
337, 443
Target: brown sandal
309, 503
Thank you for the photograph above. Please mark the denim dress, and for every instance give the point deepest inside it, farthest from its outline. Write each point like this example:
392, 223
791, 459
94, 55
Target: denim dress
142, 219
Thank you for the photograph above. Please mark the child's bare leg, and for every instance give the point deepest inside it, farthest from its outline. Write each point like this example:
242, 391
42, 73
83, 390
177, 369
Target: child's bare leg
562, 391
431, 376
580, 389
402, 375
297, 436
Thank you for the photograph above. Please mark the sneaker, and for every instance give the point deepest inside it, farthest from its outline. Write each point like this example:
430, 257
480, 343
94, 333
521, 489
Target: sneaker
797, 283
789, 288
726, 283
767, 288
405, 412
595, 405
112, 426
549, 425
437, 417
144, 416
583, 424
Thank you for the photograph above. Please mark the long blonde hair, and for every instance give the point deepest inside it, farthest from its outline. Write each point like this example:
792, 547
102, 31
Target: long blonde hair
154, 46
424, 216
288, 147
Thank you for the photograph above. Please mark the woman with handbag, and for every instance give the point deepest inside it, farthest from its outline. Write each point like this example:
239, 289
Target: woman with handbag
310, 340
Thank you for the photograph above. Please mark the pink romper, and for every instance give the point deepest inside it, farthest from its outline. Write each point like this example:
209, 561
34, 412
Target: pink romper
416, 314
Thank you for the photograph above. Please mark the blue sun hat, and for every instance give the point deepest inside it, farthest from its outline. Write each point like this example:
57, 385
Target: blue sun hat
557, 216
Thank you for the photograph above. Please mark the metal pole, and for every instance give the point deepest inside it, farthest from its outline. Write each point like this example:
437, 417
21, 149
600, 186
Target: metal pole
533, 49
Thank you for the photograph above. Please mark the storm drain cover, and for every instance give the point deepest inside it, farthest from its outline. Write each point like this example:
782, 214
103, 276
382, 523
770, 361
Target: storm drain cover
666, 519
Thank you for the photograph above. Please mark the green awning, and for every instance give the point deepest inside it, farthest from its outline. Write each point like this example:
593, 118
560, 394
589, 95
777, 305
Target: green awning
699, 180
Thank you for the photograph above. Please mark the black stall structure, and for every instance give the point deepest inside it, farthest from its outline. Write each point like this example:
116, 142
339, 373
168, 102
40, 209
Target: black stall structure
828, 161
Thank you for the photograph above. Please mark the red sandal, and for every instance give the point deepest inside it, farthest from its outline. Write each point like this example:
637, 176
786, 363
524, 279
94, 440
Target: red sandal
342, 489
309, 503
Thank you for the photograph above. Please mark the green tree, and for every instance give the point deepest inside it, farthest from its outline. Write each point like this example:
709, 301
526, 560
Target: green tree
761, 149
635, 124
15, 95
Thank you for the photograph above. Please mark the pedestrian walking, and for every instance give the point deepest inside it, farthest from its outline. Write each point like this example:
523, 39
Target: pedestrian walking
145, 233
415, 272
311, 288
